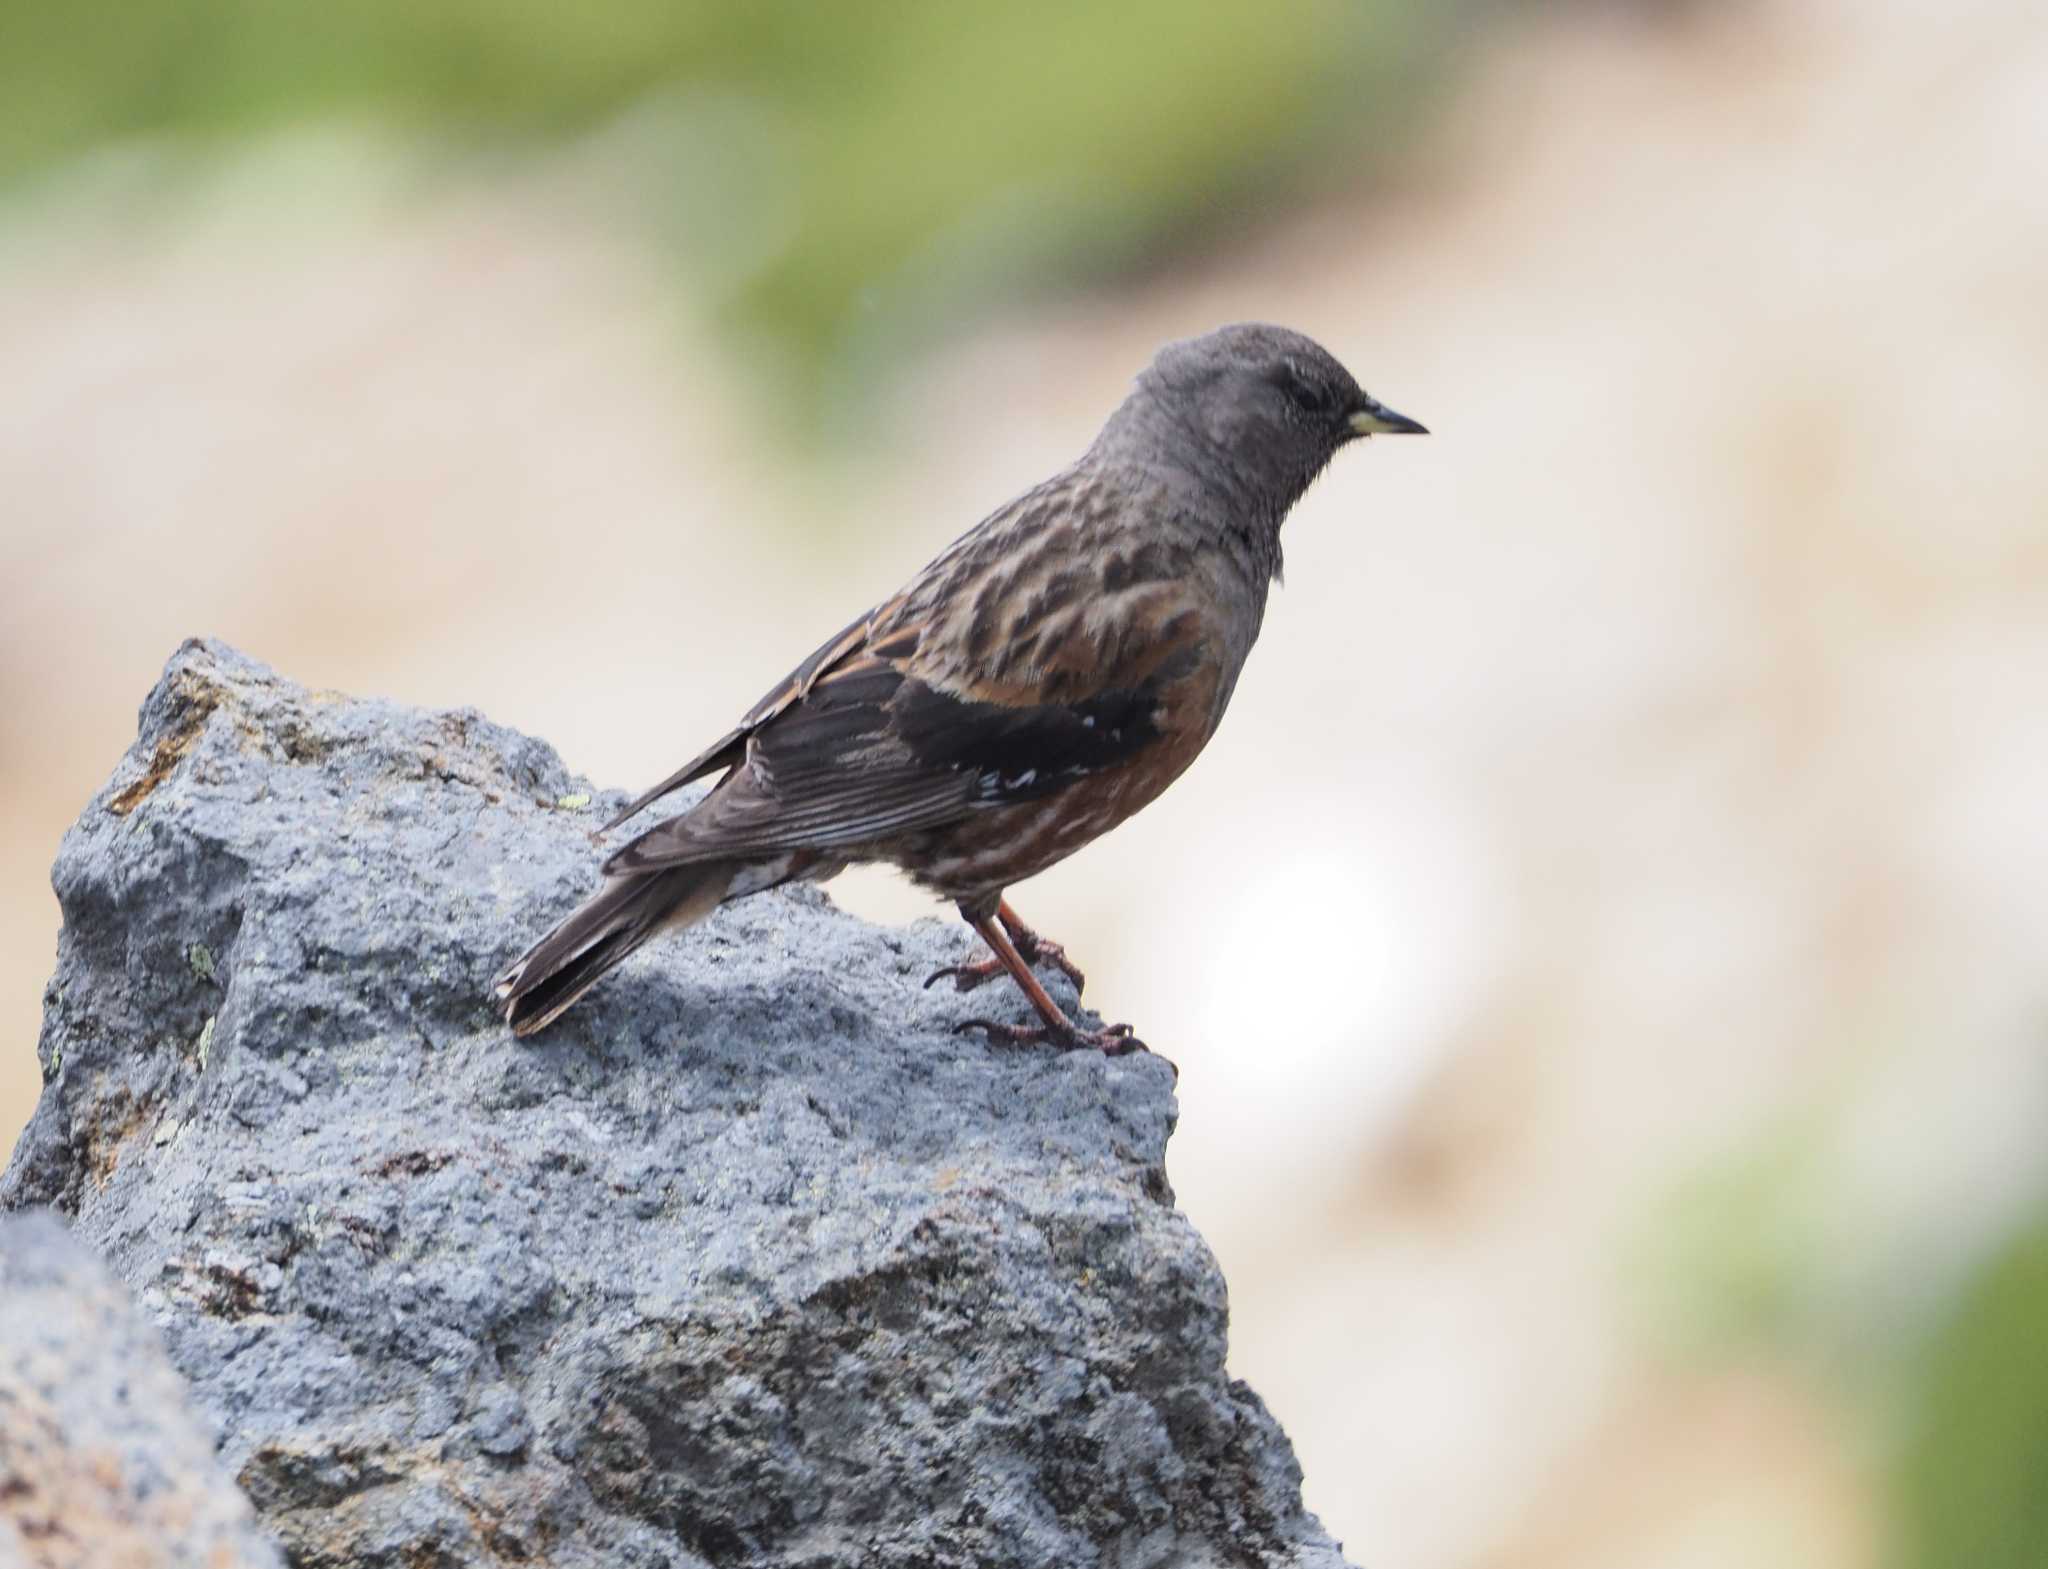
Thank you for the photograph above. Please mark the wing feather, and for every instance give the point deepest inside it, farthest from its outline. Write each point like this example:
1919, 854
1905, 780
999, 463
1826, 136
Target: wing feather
1003, 672
729, 749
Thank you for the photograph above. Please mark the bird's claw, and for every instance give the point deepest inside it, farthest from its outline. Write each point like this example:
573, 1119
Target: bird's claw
1036, 950
1113, 1041
966, 977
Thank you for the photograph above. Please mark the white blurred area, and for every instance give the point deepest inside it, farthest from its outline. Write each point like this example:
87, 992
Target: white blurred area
1649, 762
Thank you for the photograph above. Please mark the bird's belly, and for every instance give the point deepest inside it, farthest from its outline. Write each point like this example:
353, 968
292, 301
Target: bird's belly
1000, 845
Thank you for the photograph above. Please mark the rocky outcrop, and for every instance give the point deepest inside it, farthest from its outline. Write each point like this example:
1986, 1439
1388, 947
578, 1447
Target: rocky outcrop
751, 1260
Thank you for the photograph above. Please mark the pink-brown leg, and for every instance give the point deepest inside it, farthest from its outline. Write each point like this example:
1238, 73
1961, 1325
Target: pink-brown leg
1057, 1029
1032, 948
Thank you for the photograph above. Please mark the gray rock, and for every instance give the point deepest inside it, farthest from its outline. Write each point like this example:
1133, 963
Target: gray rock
750, 1260
103, 1464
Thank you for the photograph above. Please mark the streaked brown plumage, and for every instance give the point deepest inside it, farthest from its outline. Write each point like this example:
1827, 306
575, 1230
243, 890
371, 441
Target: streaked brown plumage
1042, 679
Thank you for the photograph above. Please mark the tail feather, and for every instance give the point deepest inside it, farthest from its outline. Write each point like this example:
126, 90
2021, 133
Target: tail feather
600, 932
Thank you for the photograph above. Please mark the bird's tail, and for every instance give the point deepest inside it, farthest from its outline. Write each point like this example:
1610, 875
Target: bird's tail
536, 987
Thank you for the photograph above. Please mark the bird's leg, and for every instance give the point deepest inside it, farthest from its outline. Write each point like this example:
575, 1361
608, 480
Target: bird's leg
1037, 950
1058, 1029
1032, 948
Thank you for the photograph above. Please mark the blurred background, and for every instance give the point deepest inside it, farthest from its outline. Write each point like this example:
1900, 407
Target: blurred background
1614, 1048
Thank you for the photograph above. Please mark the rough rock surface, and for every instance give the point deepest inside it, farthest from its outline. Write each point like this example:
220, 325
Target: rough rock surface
102, 1463
748, 1261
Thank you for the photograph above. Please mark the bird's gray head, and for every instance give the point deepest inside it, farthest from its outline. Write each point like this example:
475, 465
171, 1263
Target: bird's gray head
1259, 408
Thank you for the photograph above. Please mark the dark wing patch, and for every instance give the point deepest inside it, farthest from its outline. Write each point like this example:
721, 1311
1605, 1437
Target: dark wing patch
1020, 754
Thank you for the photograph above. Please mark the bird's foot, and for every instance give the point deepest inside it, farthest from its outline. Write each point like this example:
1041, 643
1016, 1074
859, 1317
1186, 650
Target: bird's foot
1037, 950
1033, 949
965, 977
1113, 1041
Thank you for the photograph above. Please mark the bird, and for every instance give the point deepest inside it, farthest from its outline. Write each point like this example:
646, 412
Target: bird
1042, 678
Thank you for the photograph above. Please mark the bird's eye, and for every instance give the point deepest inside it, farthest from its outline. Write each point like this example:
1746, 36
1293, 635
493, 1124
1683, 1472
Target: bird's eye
1301, 389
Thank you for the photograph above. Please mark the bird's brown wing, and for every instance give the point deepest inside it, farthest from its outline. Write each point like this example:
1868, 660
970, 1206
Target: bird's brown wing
878, 734
950, 610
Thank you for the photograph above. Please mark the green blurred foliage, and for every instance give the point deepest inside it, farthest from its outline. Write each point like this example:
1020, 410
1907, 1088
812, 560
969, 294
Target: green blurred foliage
854, 149
1765, 1255
1973, 1482
1725, 1258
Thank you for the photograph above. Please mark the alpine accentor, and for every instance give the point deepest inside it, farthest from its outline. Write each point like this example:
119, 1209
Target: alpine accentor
1049, 673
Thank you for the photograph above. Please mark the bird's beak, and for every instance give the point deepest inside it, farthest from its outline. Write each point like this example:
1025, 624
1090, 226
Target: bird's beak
1372, 418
